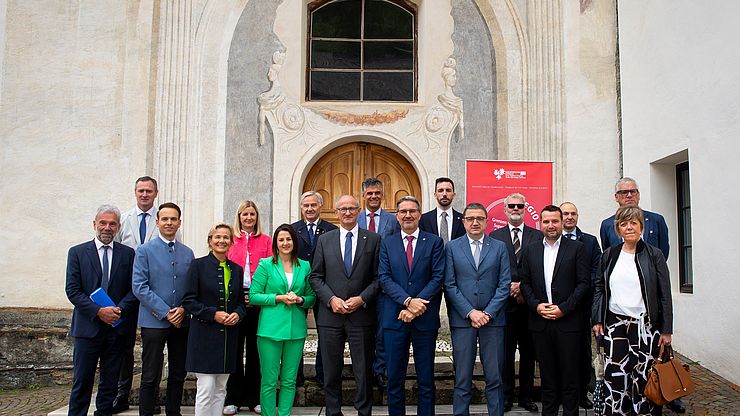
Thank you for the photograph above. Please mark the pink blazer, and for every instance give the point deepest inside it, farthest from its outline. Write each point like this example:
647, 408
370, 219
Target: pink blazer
259, 248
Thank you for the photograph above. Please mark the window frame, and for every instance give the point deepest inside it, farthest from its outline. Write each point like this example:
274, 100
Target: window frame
683, 192
410, 7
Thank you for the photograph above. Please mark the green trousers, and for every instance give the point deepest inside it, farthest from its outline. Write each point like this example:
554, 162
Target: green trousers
278, 359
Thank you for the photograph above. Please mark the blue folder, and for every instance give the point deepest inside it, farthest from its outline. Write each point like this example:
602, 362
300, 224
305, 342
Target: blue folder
103, 300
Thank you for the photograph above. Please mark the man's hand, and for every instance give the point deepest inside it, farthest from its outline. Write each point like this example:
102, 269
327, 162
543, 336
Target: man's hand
514, 290
406, 316
337, 305
549, 311
353, 303
478, 319
176, 316
109, 315
417, 306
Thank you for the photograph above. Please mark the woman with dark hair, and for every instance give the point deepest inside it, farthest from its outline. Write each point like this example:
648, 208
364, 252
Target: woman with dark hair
250, 246
215, 298
633, 311
280, 287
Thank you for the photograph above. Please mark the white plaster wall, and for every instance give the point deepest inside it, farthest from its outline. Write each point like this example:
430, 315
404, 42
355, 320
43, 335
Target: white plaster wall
679, 63
73, 124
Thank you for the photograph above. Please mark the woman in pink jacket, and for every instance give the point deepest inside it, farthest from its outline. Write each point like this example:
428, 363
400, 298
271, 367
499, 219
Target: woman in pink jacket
250, 245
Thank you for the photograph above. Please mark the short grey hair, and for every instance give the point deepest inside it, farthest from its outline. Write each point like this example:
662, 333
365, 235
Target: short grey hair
516, 195
626, 179
371, 182
312, 193
336, 203
106, 208
408, 198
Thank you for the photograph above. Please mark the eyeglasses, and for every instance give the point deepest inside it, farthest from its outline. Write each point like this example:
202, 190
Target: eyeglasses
625, 192
473, 219
407, 211
512, 206
348, 209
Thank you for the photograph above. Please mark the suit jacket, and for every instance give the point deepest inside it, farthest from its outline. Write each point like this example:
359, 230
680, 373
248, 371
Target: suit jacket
428, 223
654, 233
329, 278
160, 281
485, 288
570, 283
129, 232
85, 275
305, 250
593, 253
529, 236
259, 247
424, 280
385, 224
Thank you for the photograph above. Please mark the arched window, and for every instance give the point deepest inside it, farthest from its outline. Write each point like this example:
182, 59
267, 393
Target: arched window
361, 50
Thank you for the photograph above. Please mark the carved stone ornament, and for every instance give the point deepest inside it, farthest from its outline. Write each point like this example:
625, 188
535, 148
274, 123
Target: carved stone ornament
344, 118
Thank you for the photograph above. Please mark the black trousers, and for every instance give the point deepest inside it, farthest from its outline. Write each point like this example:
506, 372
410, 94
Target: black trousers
243, 387
558, 353
517, 334
152, 357
126, 376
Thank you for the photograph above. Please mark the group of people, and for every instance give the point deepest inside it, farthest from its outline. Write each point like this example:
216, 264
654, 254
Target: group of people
236, 318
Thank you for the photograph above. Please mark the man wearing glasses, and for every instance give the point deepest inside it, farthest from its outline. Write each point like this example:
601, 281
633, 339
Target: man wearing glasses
477, 280
345, 279
516, 236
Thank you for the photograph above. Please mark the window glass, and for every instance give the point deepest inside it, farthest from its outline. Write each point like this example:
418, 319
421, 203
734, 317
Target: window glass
338, 19
389, 55
388, 86
384, 20
335, 86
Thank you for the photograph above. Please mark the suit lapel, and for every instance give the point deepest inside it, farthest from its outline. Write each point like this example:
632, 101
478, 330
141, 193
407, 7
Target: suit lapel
281, 272
421, 245
456, 223
559, 259
303, 233
92, 254
435, 226
465, 246
115, 262
361, 240
485, 249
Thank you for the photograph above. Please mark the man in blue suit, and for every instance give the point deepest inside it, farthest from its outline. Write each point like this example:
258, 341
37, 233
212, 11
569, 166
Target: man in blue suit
100, 263
444, 220
411, 273
159, 282
477, 279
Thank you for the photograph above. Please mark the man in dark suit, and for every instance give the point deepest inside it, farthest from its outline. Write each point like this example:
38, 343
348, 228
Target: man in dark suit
593, 253
517, 236
100, 263
477, 280
345, 279
308, 231
444, 220
411, 273
554, 280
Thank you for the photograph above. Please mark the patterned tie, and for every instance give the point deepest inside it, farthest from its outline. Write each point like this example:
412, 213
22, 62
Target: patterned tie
142, 227
371, 226
571, 236
409, 249
310, 234
443, 228
517, 243
106, 269
476, 253
348, 253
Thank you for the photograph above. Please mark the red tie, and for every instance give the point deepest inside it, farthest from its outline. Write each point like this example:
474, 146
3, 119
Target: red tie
371, 227
410, 250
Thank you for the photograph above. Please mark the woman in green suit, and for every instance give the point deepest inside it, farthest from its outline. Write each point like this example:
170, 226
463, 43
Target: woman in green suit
280, 286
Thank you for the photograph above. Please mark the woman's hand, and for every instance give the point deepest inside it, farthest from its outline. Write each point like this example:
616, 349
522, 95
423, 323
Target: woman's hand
289, 298
598, 330
220, 317
232, 319
665, 339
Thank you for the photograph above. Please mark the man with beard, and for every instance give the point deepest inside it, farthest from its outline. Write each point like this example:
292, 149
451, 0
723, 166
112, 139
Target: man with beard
444, 220
517, 236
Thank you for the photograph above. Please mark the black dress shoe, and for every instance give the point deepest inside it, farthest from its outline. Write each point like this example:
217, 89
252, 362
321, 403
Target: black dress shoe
507, 406
677, 406
381, 380
529, 406
119, 405
586, 403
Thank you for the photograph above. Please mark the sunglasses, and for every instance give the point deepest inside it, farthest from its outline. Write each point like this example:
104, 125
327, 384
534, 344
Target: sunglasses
512, 206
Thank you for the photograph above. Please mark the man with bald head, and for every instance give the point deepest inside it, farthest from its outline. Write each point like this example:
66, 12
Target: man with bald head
345, 279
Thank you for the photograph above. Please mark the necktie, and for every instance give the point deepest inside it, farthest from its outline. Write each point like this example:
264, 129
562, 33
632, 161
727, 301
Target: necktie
310, 234
571, 236
106, 267
517, 244
476, 253
348, 253
142, 227
443, 228
409, 249
371, 226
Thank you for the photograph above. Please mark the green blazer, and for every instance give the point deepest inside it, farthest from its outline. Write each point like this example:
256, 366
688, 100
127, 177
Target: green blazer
279, 321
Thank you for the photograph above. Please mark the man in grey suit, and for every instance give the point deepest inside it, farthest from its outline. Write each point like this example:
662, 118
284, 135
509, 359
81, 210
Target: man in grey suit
345, 279
477, 279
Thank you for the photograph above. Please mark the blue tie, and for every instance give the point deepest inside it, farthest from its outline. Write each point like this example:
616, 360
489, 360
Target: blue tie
348, 253
106, 266
310, 234
142, 227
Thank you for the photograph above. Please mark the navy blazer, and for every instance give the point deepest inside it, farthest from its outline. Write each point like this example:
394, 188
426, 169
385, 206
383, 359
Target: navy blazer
485, 288
85, 275
305, 250
655, 232
529, 235
385, 224
424, 280
428, 223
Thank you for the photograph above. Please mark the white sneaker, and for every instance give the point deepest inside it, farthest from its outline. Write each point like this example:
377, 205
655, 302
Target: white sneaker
257, 409
230, 410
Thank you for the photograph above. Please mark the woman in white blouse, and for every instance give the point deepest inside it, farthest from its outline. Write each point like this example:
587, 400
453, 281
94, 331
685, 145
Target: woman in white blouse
633, 311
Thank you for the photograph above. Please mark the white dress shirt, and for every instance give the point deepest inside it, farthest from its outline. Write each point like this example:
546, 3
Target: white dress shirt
99, 245
406, 242
551, 254
521, 232
152, 214
625, 290
343, 235
471, 242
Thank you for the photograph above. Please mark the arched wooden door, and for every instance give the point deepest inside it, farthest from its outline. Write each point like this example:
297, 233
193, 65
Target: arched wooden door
342, 170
